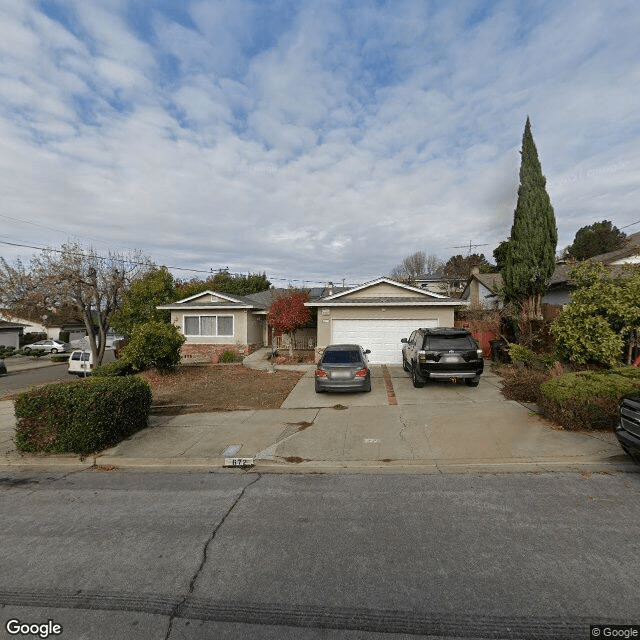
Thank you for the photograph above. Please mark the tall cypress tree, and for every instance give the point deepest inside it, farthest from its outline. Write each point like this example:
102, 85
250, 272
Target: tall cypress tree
531, 249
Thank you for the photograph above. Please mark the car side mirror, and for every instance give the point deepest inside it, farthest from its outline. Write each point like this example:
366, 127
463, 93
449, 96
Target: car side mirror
367, 351
404, 340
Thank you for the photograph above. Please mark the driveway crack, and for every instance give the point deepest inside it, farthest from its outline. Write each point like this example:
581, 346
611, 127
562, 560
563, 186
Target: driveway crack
404, 439
187, 596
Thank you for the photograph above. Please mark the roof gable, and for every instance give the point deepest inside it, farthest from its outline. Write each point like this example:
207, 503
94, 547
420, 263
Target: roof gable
383, 288
209, 297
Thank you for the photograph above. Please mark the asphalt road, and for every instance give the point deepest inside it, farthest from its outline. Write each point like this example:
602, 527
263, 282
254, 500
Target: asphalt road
112, 554
23, 380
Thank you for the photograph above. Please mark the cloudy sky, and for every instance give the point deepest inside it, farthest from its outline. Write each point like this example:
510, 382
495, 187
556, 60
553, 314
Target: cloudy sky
311, 140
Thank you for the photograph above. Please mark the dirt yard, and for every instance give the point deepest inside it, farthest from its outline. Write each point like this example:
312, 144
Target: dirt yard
195, 389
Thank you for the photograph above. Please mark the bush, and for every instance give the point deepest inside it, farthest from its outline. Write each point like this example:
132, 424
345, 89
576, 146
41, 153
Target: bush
154, 344
588, 399
229, 355
60, 358
81, 417
7, 352
121, 367
522, 385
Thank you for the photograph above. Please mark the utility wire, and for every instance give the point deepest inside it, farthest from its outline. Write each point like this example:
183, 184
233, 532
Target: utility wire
152, 264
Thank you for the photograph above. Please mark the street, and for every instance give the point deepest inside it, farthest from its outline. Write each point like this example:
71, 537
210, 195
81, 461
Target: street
115, 554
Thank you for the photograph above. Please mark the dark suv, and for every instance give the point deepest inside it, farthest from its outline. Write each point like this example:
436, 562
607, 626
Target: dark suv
628, 427
442, 354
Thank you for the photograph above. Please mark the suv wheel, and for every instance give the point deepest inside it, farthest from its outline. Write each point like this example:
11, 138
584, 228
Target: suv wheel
472, 382
405, 364
416, 378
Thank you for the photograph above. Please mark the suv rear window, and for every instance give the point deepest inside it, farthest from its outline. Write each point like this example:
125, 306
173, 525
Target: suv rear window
440, 343
341, 357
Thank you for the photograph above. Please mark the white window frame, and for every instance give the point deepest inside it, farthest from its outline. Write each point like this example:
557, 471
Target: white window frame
200, 334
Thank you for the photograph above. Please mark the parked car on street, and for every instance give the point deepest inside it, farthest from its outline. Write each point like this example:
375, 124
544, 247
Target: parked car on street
3, 368
628, 427
50, 346
343, 367
80, 363
442, 354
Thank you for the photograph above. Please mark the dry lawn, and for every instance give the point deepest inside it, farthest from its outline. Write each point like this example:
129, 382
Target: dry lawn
199, 388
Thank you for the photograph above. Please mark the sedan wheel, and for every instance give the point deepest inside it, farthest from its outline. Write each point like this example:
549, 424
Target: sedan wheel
472, 382
53, 351
26, 348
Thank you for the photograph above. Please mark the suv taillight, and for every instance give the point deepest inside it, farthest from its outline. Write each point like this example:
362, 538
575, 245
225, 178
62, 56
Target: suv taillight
360, 373
321, 374
479, 352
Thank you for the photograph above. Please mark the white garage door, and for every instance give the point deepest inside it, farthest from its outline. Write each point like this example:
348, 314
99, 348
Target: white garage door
381, 336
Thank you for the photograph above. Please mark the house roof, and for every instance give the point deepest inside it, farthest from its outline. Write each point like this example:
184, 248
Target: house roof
224, 300
10, 326
630, 248
423, 297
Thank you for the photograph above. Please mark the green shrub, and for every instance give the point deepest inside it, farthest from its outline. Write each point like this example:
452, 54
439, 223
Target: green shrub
81, 417
229, 355
588, 399
120, 367
518, 353
60, 358
154, 344
7, 352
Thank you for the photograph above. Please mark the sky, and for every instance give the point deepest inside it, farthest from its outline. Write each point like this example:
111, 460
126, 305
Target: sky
313, 141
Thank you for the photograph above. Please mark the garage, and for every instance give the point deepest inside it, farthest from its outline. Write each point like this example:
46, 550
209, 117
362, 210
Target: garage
378, 314
381, 336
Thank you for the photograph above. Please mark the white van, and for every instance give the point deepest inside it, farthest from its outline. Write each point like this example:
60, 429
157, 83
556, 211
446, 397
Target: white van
80, 363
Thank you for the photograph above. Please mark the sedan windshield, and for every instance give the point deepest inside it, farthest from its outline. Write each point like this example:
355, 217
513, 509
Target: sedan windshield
341, 357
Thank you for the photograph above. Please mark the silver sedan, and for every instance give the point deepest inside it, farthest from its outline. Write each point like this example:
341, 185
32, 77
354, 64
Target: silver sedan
343, 367
50, 346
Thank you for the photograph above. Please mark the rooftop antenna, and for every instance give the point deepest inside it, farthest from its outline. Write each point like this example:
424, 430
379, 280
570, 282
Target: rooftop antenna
469, 246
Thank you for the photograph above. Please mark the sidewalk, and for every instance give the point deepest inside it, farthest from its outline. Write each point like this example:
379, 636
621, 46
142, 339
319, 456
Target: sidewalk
24, 363
425, 433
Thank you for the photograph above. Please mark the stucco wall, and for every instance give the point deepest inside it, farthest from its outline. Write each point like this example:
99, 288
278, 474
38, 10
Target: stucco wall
443, 315
382, 290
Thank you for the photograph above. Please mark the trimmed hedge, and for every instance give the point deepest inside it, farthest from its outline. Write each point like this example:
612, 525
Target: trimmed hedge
113, 369
588, 399
81, 417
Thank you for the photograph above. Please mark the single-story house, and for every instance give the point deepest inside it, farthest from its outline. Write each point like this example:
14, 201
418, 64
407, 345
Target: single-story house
214, 322
10, 333
50, 324
378, 314
481, 289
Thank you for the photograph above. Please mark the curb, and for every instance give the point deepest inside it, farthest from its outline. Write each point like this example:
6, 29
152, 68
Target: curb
400, 467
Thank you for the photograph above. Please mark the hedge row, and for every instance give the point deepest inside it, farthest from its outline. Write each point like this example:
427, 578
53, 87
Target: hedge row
81, 417
588, 399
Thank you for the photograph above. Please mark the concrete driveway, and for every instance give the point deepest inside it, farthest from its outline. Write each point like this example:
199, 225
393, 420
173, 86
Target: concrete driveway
441, 428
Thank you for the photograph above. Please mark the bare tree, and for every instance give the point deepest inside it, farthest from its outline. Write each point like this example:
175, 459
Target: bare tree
416, 265
75, 279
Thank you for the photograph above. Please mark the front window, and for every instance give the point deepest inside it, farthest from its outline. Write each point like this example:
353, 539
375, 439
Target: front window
211, 326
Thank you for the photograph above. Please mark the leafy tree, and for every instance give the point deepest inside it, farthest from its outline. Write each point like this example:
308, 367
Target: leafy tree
71, 278
500, 255
154, 344
596, 239
460, 266
531, 248
287, 313
139, 303
224, 282
603, 314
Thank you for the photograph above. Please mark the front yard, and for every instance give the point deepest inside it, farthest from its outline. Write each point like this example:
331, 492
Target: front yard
200, 388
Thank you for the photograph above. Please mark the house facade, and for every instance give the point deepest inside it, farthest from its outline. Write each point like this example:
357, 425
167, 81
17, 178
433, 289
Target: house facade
378, 314
214, 322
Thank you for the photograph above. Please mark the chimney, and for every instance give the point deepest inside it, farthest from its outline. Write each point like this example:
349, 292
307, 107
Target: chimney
329, 288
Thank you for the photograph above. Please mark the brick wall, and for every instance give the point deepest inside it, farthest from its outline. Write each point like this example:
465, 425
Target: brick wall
210, 353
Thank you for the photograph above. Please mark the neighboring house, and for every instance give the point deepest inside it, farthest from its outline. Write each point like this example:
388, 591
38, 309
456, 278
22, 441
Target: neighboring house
214, 322
378, 314
482, 289
50, 324
10, 333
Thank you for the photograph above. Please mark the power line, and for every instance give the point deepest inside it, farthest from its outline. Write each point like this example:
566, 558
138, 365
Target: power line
630, 225
152, 264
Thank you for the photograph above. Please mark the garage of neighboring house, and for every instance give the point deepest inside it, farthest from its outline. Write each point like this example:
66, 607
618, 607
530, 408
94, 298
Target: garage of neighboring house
378, 314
